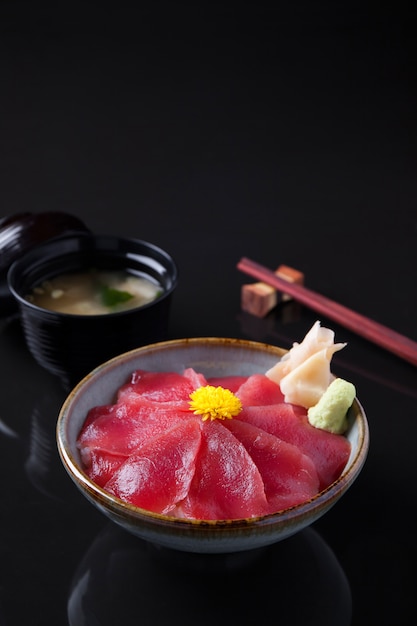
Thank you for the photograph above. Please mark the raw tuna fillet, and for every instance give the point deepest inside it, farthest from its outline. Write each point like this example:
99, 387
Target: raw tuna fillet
289, 476
227, 484
159, 475
328, 451
101, 465
259, 390
124, 428
227, 382
196, 379
158, 386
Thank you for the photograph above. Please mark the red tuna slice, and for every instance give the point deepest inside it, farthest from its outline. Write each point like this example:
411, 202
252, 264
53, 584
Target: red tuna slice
124, 428
97, 412
227, 484
195, 378
160, 475
157, 386
289, 476
259, 390
227, 382
328, 451
101, 465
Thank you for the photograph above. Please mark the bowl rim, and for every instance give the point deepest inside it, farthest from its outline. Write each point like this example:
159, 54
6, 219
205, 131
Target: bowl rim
122, 508
35, 251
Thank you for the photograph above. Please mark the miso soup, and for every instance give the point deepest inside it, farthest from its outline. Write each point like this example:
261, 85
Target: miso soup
94, 292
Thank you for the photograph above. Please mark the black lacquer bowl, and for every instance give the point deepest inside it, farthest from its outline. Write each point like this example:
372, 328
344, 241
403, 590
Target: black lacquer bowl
71, 345
21, 232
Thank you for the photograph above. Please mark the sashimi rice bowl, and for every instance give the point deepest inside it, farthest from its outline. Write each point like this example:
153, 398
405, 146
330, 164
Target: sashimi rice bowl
215, 445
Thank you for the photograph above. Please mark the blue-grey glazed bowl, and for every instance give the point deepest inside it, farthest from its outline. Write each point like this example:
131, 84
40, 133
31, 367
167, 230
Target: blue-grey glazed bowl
71, 345
213, 357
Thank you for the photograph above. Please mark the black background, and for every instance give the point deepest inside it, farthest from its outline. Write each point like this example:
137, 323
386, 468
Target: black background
284, 134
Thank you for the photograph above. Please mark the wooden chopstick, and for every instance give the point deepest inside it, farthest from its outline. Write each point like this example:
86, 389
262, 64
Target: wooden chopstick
383, 336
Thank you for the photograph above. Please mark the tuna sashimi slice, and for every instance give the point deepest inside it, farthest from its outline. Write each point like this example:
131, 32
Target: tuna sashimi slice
157, 386
160, 475
227, 382
289, 476
101, 465
328, 451
227, 484
258, 390
124, 428
196, 378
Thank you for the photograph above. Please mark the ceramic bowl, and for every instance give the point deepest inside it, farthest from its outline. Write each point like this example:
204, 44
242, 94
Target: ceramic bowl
71, 345
212, 357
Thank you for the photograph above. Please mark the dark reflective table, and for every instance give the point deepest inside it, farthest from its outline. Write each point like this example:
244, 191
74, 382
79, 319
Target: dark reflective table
287, 136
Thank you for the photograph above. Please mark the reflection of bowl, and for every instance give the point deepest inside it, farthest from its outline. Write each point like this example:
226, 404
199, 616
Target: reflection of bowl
72, 345
298, 579
213, 357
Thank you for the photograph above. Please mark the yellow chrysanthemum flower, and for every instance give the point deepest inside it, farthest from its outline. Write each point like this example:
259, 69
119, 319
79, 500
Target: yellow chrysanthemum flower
214, 403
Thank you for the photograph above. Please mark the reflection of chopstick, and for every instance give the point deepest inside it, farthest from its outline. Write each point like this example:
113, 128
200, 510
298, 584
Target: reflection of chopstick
389, 339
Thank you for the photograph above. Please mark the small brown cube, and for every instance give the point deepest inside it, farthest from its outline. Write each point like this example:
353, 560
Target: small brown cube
259, 298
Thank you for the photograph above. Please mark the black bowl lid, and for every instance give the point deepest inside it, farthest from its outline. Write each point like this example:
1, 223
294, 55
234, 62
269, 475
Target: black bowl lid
19, 233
